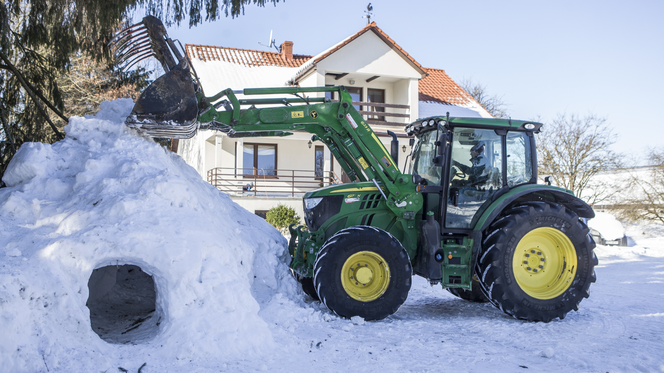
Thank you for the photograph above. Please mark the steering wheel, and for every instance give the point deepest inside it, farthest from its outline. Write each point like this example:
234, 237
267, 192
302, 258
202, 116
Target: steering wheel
459, 174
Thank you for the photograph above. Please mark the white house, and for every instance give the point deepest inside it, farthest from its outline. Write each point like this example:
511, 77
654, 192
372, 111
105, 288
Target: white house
390, 87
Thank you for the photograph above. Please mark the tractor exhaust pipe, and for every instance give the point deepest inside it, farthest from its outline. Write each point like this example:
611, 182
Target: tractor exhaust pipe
394, 148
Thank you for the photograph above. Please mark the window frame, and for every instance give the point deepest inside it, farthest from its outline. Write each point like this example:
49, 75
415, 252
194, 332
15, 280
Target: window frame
374, 108
255, 173
355, 90
318, 148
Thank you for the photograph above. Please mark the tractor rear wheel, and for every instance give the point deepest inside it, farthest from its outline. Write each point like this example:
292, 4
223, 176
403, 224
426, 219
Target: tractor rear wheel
362, 271
537, 261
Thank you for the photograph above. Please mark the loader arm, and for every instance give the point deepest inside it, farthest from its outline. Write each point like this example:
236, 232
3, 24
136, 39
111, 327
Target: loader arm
175, 106
337, 124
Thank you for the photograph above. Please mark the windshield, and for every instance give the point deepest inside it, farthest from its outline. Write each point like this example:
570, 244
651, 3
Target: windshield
423, 156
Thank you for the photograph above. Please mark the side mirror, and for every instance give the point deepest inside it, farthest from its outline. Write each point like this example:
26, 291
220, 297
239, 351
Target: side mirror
547, 180
441, 145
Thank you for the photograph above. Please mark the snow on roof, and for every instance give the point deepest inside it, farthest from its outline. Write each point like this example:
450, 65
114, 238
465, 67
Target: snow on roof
219, 75
105, 196
430, 109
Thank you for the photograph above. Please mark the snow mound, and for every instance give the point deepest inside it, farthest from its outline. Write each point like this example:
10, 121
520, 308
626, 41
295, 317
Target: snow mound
607, 225
104, 197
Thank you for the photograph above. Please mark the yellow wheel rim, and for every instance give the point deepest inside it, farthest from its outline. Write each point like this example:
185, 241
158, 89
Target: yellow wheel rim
365, 276
544, 263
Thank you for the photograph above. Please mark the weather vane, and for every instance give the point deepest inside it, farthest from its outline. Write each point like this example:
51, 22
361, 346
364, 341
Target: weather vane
368, 13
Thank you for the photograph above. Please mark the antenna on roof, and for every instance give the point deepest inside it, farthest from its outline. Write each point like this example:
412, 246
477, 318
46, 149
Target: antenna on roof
368, 13
271, 43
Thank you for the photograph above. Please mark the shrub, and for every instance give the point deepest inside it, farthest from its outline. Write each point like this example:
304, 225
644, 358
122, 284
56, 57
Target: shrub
281, 217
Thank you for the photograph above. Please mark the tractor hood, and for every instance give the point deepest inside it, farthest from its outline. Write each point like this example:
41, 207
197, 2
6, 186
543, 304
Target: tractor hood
322, 204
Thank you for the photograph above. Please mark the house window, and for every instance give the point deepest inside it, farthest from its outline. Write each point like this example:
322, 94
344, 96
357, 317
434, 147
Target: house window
376, 96
259, 159
261, 213
319, 161
356, 95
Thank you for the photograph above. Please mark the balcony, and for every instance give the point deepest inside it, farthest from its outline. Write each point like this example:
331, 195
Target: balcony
252, 182
372, 111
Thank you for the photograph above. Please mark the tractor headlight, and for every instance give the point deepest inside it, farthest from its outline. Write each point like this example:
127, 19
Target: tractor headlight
310, 203
431, 122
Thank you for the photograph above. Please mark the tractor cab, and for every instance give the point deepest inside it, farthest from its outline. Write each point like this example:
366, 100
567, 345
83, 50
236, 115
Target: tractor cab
472, 161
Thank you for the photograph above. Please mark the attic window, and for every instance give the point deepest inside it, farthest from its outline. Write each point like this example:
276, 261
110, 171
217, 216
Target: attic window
122, 304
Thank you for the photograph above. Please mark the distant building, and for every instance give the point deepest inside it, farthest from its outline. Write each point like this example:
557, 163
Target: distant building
390, 87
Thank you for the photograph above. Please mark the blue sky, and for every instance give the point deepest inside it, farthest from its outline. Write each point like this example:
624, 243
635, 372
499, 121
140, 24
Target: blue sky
543, 58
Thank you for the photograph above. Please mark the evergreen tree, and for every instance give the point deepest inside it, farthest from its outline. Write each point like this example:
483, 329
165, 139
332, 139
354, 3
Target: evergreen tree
39, 38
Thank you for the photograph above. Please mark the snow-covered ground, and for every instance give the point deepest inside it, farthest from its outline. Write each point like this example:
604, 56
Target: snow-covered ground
223, 300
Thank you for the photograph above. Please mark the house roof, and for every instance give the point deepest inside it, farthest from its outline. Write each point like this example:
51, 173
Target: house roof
311, 64
438, 87
246, 57
434, 87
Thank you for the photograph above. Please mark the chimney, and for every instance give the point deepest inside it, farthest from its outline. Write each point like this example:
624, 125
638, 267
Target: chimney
287, 50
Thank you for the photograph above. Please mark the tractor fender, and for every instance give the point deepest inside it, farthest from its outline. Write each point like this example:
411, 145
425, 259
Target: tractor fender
530, 192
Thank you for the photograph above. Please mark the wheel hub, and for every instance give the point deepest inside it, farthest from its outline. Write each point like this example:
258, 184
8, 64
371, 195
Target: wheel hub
544, 263
365, 276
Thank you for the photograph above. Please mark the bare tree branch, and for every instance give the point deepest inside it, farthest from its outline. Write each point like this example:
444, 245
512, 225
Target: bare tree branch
491, 103
573, 150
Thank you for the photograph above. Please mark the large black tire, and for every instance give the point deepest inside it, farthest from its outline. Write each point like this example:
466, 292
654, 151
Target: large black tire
308, 286
473, 295
537, 262
362, 271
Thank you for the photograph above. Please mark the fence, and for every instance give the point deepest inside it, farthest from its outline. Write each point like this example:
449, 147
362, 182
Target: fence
270, 183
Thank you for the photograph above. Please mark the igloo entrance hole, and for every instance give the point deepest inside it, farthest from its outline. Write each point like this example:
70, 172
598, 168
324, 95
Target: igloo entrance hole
122, 304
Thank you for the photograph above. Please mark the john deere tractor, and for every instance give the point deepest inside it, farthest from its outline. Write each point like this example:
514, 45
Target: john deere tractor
468, 214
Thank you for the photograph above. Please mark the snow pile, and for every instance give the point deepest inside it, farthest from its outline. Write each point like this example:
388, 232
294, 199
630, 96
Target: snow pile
607, 225
106, 197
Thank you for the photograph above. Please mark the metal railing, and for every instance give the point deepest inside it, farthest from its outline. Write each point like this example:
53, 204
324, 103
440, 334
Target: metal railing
268, 183
372, 116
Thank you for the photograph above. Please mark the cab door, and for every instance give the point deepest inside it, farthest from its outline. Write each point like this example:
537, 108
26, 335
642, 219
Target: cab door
475, 173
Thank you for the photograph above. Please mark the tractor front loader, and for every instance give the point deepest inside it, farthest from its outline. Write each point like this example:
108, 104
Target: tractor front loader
469, 215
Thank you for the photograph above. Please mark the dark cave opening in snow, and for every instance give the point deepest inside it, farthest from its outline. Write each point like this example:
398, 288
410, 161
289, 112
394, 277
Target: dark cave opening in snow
122, 304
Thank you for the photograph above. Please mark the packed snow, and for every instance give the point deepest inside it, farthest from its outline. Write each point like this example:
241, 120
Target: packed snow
117, 256
607, 225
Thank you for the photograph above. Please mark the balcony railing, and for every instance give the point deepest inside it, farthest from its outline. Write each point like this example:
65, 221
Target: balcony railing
268, 183
372, 115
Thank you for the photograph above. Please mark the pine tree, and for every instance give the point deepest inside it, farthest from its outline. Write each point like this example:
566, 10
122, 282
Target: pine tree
40, 41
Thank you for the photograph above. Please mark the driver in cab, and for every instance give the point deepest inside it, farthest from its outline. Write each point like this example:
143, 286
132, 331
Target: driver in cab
478, 171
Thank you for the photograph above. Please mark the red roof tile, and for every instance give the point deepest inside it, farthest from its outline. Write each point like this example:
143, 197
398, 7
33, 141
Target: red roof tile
245, 57
437, 86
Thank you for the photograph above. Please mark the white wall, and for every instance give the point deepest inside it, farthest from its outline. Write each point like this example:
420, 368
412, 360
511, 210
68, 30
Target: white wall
369, 54
254, 204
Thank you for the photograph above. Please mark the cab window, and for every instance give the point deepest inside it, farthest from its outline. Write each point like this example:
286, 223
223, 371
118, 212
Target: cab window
519, 159
475, 173
423, 156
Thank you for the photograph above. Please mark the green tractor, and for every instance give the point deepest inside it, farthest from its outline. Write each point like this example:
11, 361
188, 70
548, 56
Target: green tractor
468, 214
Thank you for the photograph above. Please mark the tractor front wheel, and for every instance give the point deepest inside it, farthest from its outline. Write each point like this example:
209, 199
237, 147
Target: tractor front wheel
537, 261
362, 271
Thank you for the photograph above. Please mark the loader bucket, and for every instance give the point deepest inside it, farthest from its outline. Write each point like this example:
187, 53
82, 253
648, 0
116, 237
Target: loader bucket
167, 108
